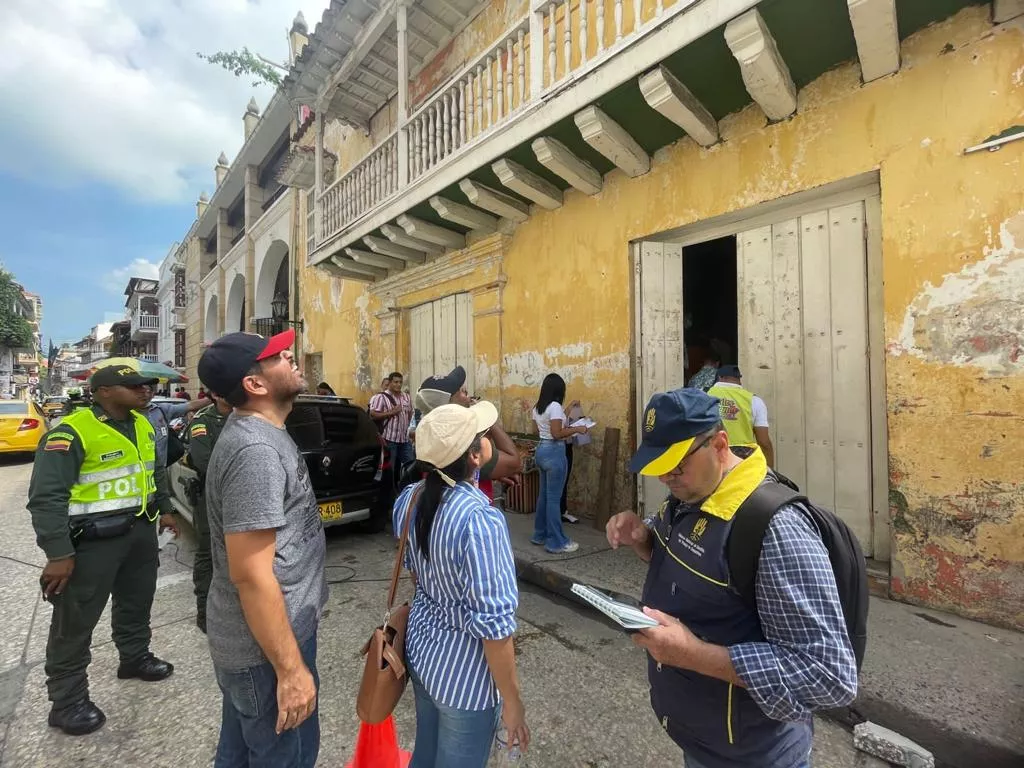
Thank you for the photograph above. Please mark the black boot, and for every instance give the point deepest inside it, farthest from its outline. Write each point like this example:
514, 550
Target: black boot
77, 719
201, 621
148, 668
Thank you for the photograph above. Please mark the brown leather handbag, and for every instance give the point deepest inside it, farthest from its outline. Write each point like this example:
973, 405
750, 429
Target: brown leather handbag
384, 676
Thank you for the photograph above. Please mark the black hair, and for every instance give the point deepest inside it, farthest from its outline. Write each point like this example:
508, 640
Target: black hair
239, 397
552, 390
433, 488
395, 375
325, 385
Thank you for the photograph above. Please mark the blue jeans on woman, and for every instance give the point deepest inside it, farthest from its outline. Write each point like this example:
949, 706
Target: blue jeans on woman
451, 738
249, 717
547, 524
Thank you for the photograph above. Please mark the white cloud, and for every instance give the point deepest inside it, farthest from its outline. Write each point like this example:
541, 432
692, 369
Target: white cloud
116, 280
112, 90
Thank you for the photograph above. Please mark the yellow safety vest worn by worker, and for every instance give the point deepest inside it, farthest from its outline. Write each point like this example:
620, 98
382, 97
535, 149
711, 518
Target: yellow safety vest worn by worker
737, 409
116, 474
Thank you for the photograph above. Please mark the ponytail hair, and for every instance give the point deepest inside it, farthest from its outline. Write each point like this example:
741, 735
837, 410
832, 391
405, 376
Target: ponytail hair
434, 487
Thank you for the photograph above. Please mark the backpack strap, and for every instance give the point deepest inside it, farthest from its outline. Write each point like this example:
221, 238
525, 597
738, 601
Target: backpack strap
746, 536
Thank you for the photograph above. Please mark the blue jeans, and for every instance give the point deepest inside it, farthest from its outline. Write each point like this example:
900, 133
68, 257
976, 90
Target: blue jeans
401, 454
249, 717
451, 738
547, 524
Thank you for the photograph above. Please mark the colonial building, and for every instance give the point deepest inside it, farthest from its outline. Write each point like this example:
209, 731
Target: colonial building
171, 303
137, 335
600, 187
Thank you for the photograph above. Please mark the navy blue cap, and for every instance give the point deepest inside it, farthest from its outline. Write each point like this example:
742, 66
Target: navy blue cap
671, 422
451, 383
732, 371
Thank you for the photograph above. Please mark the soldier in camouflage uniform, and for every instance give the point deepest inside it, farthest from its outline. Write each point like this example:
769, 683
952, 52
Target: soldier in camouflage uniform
202, 436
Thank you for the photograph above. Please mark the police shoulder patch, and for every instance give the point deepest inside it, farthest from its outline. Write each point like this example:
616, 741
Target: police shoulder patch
198, 430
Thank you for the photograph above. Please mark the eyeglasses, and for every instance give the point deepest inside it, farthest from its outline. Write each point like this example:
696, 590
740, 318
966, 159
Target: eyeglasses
682, 464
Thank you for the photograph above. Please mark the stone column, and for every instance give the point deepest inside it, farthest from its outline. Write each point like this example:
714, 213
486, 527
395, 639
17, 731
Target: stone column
255, 196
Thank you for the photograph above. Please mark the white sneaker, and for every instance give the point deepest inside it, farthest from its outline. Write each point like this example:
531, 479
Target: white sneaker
572, 546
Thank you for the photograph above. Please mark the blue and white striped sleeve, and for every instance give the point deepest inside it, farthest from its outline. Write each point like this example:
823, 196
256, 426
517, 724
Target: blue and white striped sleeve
806, 662
489, 573
398, 513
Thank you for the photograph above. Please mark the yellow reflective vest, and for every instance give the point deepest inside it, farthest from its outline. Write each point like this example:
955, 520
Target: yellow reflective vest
736, 405
116, 475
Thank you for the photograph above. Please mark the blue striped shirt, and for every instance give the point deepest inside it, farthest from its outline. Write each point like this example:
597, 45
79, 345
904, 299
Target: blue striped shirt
466, 593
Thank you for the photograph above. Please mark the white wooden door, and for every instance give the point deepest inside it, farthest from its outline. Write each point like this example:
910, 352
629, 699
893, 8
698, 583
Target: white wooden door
659, 322
441, 337
803, 348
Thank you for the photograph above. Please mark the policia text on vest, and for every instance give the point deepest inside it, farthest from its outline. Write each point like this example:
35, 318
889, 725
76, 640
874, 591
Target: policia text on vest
95, 496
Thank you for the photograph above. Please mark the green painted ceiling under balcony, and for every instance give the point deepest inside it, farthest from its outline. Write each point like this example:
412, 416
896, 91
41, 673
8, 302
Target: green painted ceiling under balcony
813, 37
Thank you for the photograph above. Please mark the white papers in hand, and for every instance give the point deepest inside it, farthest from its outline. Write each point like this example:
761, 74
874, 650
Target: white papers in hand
626, 616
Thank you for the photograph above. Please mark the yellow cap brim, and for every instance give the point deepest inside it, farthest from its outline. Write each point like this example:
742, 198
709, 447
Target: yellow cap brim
669, 460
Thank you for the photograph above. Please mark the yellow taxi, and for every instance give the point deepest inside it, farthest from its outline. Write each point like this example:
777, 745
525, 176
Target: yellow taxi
22, 426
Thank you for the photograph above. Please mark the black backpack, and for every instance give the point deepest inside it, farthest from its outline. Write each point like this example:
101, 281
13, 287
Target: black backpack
383, 422
747, 535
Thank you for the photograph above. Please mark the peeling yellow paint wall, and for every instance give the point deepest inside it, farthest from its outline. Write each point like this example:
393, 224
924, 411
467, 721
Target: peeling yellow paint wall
953, 271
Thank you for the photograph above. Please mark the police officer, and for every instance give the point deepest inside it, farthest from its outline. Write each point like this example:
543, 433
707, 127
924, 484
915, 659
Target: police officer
202, 436
95, 496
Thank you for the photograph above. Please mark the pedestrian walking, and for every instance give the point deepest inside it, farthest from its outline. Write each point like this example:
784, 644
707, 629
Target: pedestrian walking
458, 641
734, 677
707, 375
392, 410
744, 414
95, 494
267, 544
553, 429
505, 461
203, 433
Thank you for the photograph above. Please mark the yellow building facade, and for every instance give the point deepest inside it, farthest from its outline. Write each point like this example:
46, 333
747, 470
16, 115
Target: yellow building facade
558, 293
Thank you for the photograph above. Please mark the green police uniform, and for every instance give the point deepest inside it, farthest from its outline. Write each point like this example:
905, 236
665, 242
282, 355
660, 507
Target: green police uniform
95, 495
202, 436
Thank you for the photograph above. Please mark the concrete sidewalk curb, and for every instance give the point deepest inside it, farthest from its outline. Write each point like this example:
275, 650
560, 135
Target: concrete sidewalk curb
952, 748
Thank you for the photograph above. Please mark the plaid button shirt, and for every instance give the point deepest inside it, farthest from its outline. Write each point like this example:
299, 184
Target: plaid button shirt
806, 661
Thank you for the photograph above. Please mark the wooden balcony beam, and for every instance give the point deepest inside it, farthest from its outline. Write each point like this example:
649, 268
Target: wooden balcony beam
463, 215
424, 230
765, 74
670, 98
388, 248
362, 269
399, 236
496, 202
528, 184
375, 259
560, 160
877, 36
613, 141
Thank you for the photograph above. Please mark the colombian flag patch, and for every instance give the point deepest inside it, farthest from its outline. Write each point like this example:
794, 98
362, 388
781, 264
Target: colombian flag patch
198, 430
60, 444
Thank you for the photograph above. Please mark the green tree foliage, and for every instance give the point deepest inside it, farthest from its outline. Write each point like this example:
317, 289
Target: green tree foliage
245, 62
14, 329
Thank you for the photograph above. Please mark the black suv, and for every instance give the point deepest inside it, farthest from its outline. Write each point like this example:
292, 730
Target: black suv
349, 464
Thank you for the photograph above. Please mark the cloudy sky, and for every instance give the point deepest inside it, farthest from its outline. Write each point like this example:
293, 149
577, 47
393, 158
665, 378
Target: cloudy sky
111, 129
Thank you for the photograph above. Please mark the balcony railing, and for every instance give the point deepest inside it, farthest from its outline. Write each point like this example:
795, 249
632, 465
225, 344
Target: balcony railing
363, 188
147, 322
548, 49
149, 358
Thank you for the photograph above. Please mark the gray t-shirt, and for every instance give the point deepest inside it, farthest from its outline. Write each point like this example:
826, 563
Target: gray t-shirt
257, 479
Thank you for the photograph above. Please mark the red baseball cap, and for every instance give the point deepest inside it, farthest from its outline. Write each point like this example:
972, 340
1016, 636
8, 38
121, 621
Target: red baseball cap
229, 359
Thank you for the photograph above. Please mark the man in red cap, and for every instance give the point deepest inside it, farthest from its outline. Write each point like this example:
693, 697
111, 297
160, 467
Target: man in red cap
267, 544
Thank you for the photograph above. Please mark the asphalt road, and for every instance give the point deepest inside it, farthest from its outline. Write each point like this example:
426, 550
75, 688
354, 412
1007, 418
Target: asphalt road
583, 681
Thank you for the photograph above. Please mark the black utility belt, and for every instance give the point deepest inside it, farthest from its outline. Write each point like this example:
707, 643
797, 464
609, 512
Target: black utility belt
106, 527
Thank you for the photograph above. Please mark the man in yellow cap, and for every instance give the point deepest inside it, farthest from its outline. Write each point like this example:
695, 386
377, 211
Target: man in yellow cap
95, 496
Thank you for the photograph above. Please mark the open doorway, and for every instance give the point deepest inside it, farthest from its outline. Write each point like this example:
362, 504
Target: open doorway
709, 303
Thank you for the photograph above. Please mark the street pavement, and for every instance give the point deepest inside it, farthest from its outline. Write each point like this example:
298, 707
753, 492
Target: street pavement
583, 681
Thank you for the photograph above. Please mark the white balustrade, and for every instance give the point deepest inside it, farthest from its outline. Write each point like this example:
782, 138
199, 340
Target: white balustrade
364, 187
478, 98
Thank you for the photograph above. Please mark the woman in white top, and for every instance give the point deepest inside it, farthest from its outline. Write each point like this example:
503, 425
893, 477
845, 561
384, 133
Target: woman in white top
551, 460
